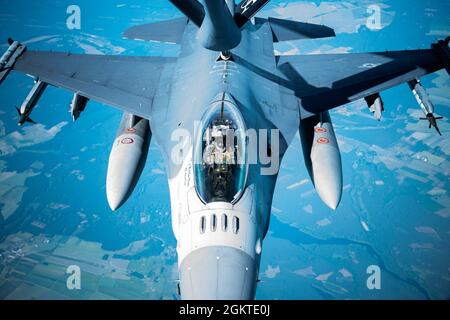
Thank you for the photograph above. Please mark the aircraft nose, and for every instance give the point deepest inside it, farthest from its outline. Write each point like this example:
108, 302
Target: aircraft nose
218, 273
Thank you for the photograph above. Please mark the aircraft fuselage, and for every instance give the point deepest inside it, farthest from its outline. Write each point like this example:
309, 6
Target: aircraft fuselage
219, 243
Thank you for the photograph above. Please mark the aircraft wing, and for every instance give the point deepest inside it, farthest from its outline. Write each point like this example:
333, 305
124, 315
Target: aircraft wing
325, 81
128, 83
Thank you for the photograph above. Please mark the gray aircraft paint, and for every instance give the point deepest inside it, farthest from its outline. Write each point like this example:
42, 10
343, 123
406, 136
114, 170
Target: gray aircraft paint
270, 92
127, 158
259, 100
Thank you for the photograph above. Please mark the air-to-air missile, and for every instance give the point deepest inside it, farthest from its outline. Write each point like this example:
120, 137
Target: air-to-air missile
127, 158
7, 61
13, 46
322, 157
425, 103
9, 58
30, 102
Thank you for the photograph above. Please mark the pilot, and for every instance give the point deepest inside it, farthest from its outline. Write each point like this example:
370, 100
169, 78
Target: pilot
208, 157
221, 179
215, 151
219, 160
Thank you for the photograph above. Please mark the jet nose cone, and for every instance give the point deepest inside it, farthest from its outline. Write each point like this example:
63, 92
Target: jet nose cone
218, 273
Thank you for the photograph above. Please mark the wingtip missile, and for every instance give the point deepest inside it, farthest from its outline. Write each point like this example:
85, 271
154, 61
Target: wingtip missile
425, 104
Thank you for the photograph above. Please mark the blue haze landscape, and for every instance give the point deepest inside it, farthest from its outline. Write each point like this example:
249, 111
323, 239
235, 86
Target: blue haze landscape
394, 213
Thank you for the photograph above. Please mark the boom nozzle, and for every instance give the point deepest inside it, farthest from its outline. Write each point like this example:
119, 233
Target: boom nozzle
218, 31
219, 21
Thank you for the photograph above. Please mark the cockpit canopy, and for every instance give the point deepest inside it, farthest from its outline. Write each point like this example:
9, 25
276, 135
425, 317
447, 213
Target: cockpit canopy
220, 161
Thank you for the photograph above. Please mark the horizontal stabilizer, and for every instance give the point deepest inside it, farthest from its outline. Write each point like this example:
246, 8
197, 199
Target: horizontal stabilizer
286, 30
170, 31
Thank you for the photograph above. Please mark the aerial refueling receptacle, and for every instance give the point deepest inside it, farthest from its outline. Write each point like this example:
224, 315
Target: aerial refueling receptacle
421, 96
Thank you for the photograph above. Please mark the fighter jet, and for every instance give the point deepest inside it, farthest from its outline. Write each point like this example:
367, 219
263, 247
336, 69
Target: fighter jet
205, 107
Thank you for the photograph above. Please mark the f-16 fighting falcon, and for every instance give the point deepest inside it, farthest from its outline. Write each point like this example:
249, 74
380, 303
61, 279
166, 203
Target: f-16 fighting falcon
224, 113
